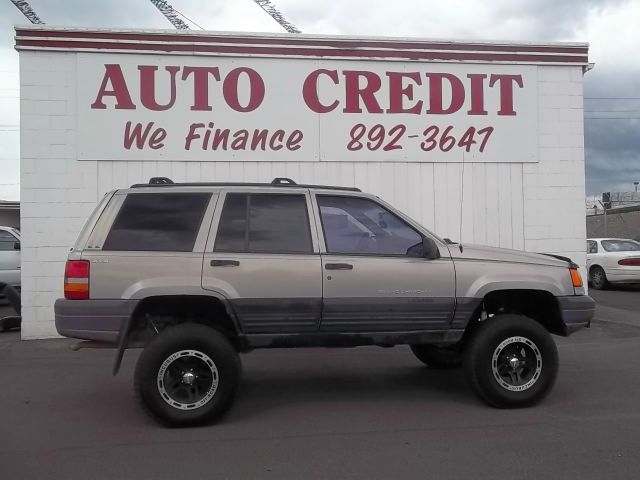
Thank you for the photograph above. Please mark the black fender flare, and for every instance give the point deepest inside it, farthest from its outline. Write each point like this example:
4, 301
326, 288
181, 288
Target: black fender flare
122, 342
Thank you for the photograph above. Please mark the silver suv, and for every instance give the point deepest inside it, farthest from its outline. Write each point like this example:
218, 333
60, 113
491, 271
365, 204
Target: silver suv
9, 257
197, 273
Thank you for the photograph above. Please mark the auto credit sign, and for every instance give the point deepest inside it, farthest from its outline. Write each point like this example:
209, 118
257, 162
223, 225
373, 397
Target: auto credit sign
152, 107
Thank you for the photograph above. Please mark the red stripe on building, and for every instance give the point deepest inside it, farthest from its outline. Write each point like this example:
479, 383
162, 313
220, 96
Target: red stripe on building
304, 52
284, 41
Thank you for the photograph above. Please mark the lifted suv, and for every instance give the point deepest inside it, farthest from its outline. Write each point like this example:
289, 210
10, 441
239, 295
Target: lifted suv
196, 273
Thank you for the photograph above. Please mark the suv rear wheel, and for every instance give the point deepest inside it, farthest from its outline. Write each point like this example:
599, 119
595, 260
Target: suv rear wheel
511, 361
187, 375
437, 357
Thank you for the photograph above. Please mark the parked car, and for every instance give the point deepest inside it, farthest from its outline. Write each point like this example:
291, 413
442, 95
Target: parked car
10, 256
196, 273
612, 261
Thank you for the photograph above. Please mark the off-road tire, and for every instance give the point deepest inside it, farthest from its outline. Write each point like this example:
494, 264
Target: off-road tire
212, 345
484, 345
437, 357
598, 278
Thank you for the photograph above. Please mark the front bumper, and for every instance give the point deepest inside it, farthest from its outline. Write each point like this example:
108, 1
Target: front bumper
576, 311
99, 320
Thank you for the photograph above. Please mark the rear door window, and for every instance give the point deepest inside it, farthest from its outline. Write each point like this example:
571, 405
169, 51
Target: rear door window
158, 222
264, 223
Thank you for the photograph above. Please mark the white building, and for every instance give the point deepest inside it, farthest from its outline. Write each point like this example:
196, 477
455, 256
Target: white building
479, 141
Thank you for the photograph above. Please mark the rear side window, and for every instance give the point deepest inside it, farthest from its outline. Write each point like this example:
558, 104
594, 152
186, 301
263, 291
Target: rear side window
264, 223
158, 222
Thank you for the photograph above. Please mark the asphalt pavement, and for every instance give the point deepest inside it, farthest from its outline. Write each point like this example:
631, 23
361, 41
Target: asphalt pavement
329, 413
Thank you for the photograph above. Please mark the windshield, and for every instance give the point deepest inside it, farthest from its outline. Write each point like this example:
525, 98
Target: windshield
621, 246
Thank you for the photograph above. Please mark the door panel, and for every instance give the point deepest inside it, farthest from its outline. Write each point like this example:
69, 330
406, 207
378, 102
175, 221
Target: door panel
273, 293
9, 259
374, 275
387, 294
263, 257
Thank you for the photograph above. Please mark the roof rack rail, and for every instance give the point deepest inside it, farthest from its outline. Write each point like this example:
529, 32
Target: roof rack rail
160, 181
280, 182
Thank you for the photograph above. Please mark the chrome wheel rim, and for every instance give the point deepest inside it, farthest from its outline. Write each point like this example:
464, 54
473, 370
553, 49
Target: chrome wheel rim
516, 364
187, 379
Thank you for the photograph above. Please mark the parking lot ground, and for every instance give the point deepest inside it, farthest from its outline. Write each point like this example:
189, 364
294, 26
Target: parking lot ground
327, 413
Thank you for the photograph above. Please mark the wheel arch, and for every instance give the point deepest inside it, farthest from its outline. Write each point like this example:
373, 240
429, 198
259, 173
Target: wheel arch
595, 265
208, 309
155, 313
539, 305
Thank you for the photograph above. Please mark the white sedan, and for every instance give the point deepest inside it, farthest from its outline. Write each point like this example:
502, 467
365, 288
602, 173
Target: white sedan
612, 260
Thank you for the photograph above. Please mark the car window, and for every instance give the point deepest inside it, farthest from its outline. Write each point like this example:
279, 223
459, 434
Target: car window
354, 225
264, 223
621, 246
157, 222
592, 247
7, 241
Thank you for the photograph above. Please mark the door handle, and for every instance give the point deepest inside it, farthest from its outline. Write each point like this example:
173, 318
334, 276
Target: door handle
225, 263
338, 266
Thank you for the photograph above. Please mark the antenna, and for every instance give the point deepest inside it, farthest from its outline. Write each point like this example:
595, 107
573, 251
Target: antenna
170, 14
271, 9
461, 204
27, 11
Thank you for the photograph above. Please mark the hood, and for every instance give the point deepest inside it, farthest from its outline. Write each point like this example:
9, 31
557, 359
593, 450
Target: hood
483, 252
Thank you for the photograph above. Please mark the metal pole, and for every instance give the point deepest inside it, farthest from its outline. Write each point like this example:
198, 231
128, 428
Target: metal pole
605, 223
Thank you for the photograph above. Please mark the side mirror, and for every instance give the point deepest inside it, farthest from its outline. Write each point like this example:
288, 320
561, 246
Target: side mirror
427, 248
430, 248
16, 246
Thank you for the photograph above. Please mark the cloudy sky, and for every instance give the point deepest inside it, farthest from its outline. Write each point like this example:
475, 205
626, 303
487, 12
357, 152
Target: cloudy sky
612, 89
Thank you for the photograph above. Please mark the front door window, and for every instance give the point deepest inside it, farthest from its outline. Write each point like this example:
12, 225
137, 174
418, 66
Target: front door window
361, 226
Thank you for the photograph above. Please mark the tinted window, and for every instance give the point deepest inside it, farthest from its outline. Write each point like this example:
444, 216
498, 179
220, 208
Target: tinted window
158, 222
592, 247
361, 226
620, 246
265, 223
7, 241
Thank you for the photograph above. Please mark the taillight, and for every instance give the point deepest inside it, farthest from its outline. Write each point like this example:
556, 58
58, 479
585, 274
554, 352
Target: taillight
630, 262
76, 280
576, 279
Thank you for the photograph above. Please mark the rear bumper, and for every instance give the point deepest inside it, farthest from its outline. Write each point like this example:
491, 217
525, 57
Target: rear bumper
99, 320
576, 311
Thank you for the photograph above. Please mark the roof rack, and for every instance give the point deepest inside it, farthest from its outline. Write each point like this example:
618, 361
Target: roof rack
280, 182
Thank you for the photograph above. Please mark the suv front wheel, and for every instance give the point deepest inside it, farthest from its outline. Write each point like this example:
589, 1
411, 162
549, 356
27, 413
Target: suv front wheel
511, 361
187, 375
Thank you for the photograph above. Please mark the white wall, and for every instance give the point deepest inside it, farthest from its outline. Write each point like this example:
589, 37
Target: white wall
536, 206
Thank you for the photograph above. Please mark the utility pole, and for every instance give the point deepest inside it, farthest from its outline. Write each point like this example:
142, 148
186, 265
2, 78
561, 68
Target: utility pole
636, 184
274, 13
170, 14
604, 209
27, 11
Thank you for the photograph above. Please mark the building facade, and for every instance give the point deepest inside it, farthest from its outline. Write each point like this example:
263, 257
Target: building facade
479, 141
